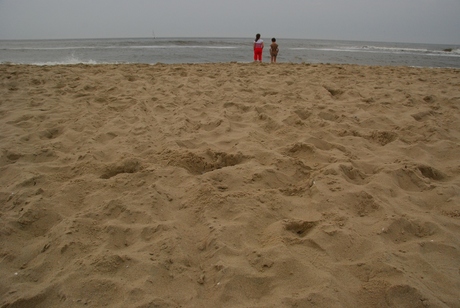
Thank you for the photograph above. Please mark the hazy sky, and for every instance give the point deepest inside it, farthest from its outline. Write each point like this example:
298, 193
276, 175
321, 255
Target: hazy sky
419, 21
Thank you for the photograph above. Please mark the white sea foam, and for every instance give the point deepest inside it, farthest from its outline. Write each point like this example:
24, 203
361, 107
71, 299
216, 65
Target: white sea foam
67, 61
384, 50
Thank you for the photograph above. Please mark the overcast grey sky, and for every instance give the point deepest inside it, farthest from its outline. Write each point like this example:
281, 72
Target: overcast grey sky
415, 21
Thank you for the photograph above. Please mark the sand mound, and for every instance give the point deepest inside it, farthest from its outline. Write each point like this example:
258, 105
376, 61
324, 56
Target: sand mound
229, 185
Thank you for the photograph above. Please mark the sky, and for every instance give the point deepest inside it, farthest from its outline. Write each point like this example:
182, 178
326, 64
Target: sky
409, 21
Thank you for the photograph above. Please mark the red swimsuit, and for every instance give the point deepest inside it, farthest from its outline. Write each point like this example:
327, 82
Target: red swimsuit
258, 50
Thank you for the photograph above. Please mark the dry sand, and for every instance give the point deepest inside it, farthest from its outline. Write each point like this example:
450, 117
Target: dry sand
229, 185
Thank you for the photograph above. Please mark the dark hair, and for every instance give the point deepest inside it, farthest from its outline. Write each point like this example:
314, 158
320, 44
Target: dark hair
257, 37
273, 39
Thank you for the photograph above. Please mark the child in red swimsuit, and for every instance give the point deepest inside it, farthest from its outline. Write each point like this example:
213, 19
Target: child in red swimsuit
258, 48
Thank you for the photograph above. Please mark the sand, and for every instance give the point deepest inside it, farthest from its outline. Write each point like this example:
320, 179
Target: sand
229, 185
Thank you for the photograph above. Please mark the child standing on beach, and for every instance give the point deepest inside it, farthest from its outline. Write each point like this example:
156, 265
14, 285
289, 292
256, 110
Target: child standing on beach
274, 50
258, 48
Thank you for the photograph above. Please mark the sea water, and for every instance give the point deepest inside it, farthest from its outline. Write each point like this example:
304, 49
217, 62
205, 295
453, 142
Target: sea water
218, 50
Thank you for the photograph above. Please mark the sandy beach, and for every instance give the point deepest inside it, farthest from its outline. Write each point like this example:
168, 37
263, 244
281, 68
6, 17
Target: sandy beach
229, 185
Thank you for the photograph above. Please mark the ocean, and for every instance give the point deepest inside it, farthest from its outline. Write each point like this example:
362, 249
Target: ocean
218, 50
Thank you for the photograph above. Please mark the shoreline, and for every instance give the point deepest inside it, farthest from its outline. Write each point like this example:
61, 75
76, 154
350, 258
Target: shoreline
227, 63
201, 50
